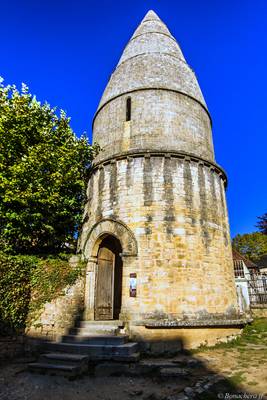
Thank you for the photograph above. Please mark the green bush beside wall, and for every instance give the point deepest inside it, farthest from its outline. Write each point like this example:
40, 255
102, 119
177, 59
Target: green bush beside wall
27, 283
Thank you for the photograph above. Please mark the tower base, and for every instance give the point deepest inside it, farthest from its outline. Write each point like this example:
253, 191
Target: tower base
158, 337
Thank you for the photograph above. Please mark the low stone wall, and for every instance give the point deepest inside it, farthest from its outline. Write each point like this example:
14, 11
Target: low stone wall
259, 310
162, 340
58, 316
11, 346
52, 322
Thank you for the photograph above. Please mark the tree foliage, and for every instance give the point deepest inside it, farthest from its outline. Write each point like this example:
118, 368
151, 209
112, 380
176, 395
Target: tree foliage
251, 245
15, 291
43, 174
262, 224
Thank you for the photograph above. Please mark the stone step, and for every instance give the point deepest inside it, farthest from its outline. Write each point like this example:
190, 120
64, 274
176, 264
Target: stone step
127, 359
96, 339
173, 372
153, 368
96, 330
94, 351
112, 322
98, 327
64, 358
56, 369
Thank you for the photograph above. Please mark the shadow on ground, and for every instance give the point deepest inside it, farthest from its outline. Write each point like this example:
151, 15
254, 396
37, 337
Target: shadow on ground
223, 372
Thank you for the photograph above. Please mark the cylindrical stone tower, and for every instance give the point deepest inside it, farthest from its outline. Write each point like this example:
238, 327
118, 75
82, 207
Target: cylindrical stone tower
155, 231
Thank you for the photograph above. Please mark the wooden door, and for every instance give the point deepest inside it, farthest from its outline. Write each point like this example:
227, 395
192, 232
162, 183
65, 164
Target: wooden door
104, 284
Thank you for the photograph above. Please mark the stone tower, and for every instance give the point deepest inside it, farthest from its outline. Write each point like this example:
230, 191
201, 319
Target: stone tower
155, 232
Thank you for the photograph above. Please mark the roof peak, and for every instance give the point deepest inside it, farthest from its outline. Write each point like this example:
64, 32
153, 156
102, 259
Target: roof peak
151, 15
151, 36
152, 59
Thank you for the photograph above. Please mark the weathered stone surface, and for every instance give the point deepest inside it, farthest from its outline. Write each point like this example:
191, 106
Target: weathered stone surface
156, 59
11, 346
182, 252
58, 316
156, 187
259, 310
173, 372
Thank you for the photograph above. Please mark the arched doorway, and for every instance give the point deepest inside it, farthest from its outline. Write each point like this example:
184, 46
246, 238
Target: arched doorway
108, 279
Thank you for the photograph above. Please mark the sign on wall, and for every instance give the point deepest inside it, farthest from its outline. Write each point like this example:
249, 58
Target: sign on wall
133, 280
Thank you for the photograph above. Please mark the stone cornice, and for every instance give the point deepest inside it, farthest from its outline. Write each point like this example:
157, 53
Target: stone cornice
208, 323
158, 153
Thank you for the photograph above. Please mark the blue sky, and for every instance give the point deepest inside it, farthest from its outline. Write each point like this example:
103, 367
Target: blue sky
66, 50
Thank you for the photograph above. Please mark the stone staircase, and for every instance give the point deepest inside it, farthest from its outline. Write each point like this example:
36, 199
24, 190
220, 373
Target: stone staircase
112, 327
68, 365
89, 342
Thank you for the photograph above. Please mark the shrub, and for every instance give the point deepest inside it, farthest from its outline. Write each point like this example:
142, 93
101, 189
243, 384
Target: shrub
27, 283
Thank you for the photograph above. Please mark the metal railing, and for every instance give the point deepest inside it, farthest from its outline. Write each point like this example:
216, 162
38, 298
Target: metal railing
257, 288
239, 269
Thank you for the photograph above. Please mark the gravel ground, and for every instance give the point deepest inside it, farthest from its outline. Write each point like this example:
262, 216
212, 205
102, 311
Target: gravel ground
212, 374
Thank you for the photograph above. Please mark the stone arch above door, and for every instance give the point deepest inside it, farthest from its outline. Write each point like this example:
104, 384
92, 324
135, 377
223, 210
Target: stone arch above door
110, 227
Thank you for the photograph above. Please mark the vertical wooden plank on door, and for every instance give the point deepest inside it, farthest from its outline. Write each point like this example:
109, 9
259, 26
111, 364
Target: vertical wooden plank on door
104, 284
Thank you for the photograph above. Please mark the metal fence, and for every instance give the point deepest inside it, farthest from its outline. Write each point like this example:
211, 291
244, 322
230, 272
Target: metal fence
257, 288
239, 269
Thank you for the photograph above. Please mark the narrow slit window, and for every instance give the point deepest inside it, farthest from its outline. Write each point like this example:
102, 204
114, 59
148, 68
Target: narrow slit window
128, 109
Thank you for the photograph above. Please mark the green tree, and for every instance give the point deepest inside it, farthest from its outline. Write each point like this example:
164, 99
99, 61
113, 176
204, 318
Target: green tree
251, 245
43, 174
262, 223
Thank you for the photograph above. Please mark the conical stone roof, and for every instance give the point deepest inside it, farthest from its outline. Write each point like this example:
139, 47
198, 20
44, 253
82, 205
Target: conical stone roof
151, 37
152, 59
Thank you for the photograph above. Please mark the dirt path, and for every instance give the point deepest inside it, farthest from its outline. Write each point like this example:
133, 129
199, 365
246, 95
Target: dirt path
245, 371
216, 373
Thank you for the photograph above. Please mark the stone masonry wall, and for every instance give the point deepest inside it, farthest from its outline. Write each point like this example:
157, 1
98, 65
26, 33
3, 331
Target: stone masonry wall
176, 209
58, 316
156, 185
11, 347
161, 120
259, 311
